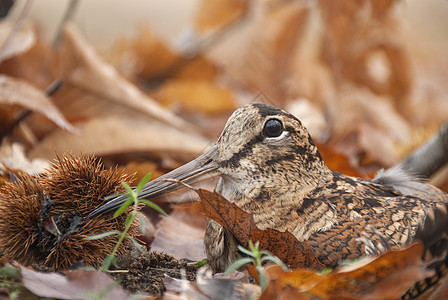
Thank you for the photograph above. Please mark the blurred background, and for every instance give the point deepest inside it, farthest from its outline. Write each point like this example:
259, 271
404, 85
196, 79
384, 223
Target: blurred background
149, 85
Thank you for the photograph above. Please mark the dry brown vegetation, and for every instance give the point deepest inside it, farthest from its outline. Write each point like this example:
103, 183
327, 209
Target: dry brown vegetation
346, 68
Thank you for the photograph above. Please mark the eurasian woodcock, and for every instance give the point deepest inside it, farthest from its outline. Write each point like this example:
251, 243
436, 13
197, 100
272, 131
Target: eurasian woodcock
270, 167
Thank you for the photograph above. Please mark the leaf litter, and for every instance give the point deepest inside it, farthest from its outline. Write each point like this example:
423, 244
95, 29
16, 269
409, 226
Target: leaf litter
152, 104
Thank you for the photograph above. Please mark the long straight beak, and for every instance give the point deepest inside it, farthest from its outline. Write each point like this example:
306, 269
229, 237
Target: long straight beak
199, 169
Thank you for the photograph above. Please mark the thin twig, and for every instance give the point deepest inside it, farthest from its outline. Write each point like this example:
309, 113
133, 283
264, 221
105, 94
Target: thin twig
200, 45
68, 16
117, 271
181, 183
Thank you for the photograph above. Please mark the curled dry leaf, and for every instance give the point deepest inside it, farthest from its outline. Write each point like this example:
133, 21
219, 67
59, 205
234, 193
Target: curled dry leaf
78, 284
181, 234
288, 284
88, 71
281, 244
387, 276
207, 286
21, 40
129, 133
12, 156
17, 91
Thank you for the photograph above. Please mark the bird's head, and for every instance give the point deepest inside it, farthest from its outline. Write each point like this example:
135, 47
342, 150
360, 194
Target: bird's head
260, 146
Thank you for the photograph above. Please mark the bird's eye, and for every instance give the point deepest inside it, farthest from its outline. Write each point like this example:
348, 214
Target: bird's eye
272, 128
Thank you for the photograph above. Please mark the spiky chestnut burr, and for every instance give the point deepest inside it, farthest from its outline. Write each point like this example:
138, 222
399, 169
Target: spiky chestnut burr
43, 219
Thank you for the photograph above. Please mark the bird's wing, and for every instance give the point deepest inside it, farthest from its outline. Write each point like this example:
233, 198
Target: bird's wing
372, 217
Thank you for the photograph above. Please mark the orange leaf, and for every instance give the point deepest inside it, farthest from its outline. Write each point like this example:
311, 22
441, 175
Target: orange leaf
213, 14
197, 94
338, 162
21, 92
288, 284
253, 272
387, 276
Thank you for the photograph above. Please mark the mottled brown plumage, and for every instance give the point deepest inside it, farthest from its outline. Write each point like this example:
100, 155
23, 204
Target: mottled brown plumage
270, 167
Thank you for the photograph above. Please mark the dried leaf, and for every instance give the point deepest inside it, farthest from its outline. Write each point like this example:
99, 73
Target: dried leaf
261, 54
379, 129
88, 71
17, 91
288, 284
197, 68
345, 25
79, 284
232, 286
143, 50
338, 161
215, 14
108, 135
181, 234
387, 276
394, 273
282, 244
21, 40
13, 157
193, 95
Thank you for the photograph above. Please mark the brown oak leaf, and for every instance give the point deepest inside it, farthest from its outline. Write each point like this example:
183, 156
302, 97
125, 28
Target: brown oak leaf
282, 244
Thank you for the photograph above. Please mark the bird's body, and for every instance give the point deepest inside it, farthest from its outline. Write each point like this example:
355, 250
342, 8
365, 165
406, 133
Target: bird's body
270, 167
286, 185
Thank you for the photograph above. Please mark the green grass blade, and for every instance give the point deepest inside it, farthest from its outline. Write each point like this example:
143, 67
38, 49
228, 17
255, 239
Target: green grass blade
101, 235
136, 243
245, 251
129, 219
142, 223
254, 247
108, 261
128, 188
107, 198
153, 205
142, 183
123, 207
238, 264
263, 280
275, 260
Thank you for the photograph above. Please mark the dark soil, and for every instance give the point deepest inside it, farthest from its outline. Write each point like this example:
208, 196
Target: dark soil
145, 273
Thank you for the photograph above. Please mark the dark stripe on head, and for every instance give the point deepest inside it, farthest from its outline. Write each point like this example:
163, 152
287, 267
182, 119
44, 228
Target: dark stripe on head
279, 159
266, 110
234, 161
